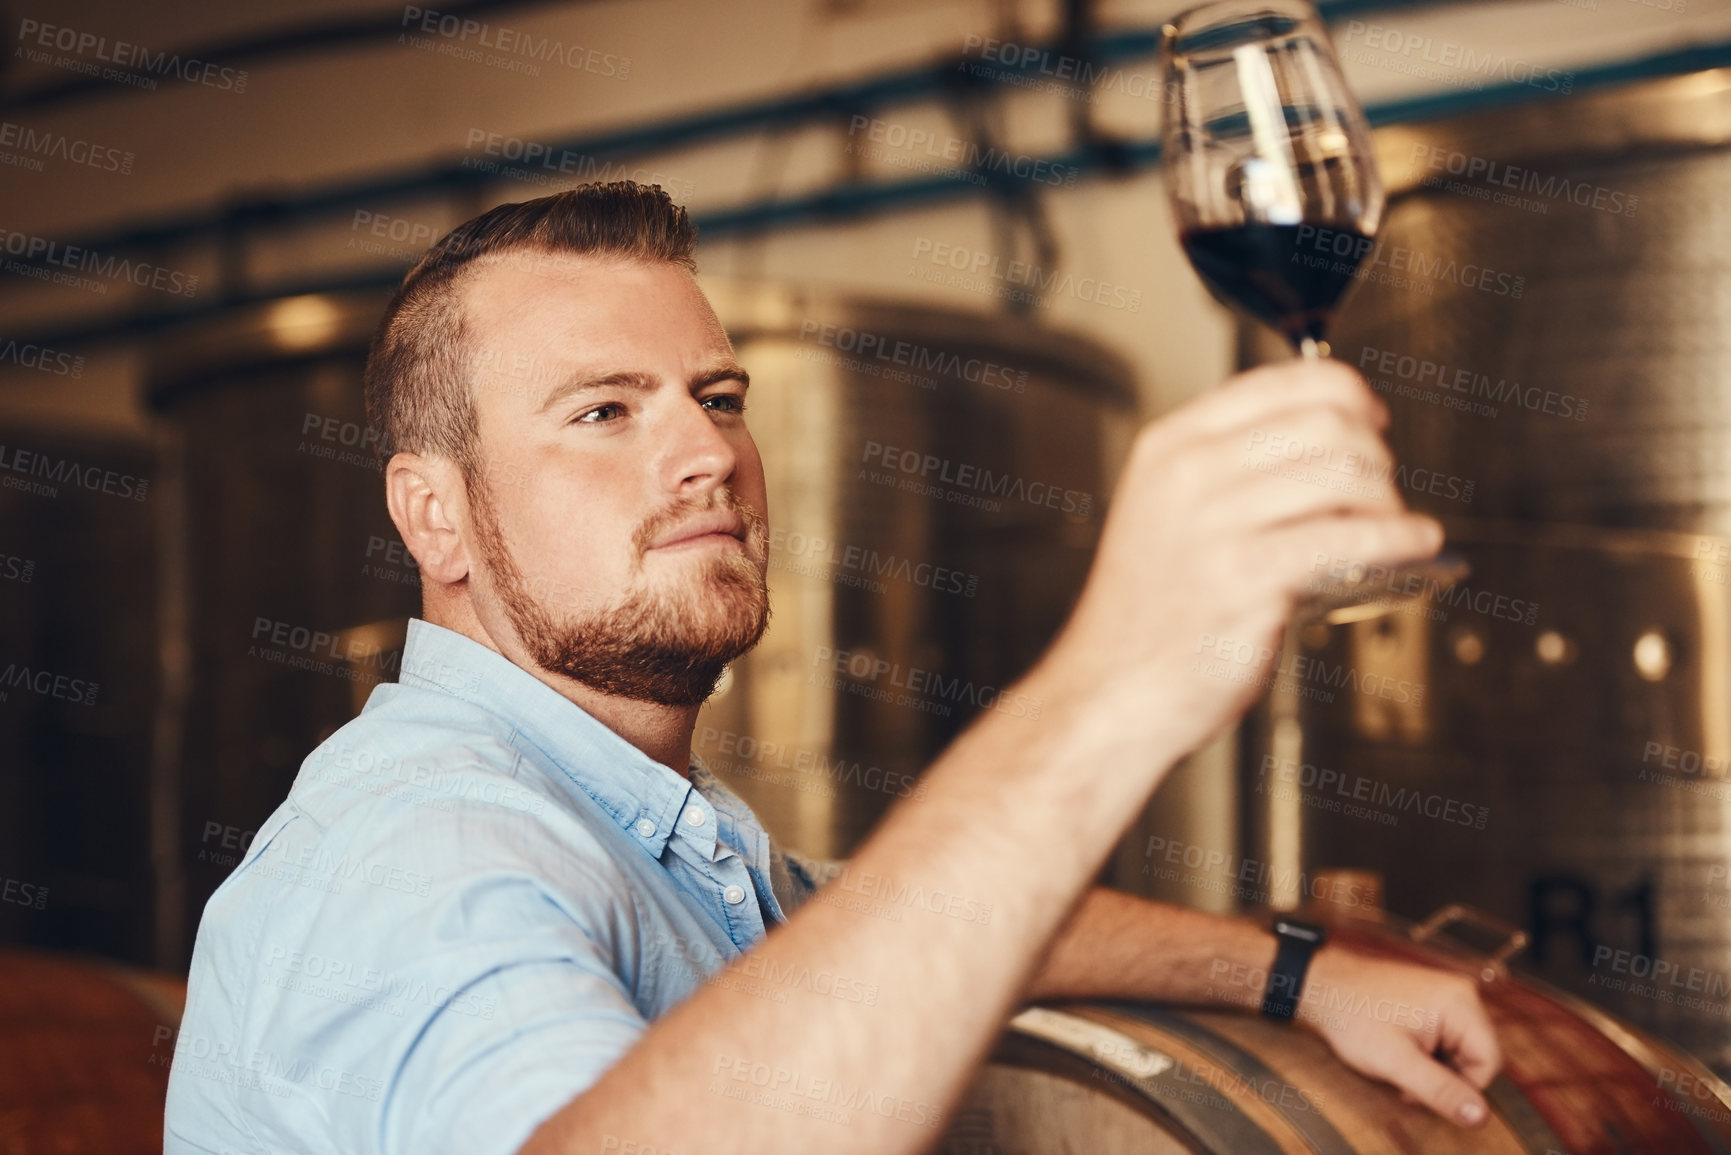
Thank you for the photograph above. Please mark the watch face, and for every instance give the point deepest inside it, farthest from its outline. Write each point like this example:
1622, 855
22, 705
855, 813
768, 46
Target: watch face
1302, 931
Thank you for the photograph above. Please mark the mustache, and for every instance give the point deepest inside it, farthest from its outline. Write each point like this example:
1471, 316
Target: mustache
721, 497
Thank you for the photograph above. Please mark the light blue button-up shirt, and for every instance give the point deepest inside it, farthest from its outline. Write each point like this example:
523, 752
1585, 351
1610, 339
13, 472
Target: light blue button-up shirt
471, 904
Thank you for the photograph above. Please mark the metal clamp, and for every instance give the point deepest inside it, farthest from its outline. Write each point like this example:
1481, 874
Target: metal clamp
1514, 938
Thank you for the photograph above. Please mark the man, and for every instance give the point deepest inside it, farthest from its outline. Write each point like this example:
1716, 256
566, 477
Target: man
506, 909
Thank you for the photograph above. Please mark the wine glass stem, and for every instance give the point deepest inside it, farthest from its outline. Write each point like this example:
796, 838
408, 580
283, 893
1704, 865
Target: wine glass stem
1309, 349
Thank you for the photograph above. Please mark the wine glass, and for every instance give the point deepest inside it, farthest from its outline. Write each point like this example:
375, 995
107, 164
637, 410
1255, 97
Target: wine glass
1273, 181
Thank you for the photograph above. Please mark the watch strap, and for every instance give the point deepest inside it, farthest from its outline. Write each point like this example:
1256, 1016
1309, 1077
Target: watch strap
1298, 941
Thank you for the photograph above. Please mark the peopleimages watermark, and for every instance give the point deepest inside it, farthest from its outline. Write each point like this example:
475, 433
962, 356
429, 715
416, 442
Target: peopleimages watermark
1244, 985
978, 271
1445, 61
1674, 6
346, 442
1663, 980
17, 569
1342, 252
34, 145
803, 769
1351, 472
836, 879
54, 472
89, 52
41, 358
1307, 677
422, 783
228, 838
1465, 390
1211, 1086
831, 1100
321, 652
1716, 552
1247, 879
57, 263
1718, 876
1396, 585
928, 475
389, 560
857, 672
1041, 69
1688, 770
774, 978
862, 566
509, 48
312, 866
876, 354
17, 892
257, 1069
1700, 1094
415, 236
47, 684
1503, 181
1358, 796
921, 149
612, 1142
359, 983
538, 163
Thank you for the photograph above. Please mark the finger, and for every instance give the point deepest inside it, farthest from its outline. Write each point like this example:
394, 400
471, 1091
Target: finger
1356, 474
1319, 437
1435, 1086
1264, 393
1290, 554
1257, 502
1470, 1042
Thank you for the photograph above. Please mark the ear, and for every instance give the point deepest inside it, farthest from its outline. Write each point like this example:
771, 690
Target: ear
427, 502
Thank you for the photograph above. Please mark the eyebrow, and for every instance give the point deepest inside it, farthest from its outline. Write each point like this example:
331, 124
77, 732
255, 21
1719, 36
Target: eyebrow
640, 382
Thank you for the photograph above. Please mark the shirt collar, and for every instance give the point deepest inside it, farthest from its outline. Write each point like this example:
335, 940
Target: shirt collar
640, 794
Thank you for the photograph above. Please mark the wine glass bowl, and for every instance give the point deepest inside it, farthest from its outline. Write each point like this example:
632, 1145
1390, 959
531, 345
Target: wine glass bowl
1268, 162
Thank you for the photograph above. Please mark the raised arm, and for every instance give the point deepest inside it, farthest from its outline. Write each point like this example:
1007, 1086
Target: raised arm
947, 908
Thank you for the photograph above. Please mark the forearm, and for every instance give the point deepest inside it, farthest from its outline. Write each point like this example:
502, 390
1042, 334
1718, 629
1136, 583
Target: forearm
1015, 820
1117, 945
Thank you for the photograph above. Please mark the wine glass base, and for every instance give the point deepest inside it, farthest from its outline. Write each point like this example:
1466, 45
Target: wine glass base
1370, 591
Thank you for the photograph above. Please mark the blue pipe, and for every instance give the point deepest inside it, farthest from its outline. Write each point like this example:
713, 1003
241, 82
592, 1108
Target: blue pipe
856, 200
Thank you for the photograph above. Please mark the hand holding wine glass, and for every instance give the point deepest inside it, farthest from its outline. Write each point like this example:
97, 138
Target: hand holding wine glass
1273, 181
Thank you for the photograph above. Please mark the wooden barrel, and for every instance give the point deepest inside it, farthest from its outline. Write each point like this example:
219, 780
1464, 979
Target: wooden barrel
85, 1048
1106, 1078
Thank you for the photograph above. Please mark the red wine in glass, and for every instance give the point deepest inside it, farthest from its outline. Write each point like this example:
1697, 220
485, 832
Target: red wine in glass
1276, 273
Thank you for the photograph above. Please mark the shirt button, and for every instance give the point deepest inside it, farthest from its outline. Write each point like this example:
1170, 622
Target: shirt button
734, 895
646, 828
693, 816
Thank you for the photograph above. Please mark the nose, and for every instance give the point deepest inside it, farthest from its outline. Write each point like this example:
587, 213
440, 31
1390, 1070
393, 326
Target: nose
696, 457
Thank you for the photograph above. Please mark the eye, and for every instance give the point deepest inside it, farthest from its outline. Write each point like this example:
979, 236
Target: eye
611, 411
729, 403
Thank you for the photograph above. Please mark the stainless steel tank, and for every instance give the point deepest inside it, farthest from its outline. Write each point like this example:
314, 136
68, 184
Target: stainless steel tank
1548, 315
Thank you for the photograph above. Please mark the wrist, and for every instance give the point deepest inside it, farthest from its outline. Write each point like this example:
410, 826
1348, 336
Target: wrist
1104, 713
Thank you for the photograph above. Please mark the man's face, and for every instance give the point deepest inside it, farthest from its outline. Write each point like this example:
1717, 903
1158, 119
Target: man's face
618, 508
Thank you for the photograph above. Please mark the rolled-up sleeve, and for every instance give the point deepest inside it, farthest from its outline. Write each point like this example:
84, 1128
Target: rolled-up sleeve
544, 1017
796, 877
481, 981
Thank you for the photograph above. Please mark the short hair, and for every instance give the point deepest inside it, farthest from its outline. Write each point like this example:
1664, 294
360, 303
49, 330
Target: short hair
417, 393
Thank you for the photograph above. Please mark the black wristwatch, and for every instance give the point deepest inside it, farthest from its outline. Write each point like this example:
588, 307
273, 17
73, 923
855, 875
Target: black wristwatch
1298, 941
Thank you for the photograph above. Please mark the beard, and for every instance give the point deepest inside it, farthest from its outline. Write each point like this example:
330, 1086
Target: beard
669, 647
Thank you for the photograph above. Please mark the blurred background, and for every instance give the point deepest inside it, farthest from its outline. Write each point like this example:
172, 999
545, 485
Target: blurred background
937, 233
